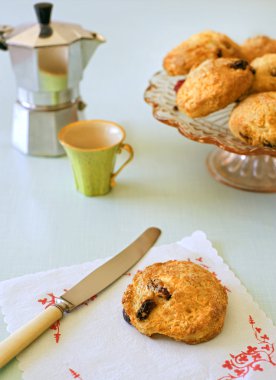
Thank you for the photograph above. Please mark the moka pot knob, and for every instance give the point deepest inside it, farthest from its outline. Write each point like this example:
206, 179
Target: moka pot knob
43, 13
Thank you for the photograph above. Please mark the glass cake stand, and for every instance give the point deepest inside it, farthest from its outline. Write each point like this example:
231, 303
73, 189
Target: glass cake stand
233, 163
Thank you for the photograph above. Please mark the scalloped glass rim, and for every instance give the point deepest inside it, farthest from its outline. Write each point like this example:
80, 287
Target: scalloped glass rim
212, 129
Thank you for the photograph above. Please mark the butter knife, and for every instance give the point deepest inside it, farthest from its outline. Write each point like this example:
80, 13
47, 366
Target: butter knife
92, 284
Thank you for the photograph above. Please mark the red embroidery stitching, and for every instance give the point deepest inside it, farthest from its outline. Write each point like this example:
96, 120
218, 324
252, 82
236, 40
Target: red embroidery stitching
50, 300
90, 299
200, 259
75, 374
239, 365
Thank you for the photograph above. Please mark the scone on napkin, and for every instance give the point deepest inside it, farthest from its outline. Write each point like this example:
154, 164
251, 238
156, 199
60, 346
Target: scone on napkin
179, 299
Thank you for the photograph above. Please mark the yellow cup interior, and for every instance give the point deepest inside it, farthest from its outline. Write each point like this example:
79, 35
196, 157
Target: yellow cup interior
91, 135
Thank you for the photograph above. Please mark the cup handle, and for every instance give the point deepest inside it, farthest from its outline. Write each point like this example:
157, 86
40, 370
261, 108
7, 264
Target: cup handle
129, 149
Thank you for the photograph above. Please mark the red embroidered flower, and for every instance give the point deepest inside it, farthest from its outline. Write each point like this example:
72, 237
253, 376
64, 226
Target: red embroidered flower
257, 367
256, 357
251, 320
251, 350
265, 337
227, 364
243, 358
239, 372
55, 327
42, 301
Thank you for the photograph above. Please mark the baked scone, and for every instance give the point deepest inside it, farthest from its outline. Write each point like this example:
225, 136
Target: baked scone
254, 120
198, 48
213, 85
179, 299
257, 47
265, 73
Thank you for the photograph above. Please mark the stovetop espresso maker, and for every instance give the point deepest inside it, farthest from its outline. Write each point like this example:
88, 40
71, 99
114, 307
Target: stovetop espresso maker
48, 59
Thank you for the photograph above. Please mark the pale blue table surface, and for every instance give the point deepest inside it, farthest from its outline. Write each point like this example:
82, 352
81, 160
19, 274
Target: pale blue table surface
45, 223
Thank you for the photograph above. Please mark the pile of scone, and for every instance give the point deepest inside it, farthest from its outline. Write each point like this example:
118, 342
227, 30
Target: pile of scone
219, 72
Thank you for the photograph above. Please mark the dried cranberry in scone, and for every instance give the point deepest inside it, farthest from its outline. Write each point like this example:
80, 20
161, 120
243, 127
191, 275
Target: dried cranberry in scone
145, 309
178, 85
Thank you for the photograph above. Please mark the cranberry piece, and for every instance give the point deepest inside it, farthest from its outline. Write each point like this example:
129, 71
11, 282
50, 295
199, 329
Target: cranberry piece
157, 287
227, 44
247, 138
178, 85
219, 53
126, 317
267, 144
240, 64
145, 309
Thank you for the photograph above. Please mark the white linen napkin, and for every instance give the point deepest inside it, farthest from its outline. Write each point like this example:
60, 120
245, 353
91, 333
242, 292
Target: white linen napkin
95, 343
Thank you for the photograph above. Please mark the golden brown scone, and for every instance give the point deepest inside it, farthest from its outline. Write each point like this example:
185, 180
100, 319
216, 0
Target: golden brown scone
213, 85
178, 299
198, 48
265, 73
254, 120
257, 47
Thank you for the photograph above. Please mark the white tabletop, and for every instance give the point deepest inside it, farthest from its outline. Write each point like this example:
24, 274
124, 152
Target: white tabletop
45, 223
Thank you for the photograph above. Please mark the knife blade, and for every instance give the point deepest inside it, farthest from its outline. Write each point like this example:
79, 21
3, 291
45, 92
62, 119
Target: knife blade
107, 273
92, 284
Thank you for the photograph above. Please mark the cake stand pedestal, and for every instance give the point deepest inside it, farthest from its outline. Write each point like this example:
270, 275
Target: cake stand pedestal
251, 173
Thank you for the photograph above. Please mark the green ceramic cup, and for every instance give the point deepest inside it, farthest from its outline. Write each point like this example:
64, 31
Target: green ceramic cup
92, 146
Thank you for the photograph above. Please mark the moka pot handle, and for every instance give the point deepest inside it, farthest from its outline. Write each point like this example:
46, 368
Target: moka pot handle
4, 29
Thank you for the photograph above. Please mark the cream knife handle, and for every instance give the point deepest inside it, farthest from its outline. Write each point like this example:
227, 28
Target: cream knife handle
25, 335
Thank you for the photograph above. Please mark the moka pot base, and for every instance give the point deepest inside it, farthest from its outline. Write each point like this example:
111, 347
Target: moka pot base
35, 130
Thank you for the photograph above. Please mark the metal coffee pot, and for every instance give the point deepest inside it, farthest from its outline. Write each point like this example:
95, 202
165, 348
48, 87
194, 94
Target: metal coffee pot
48, 59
